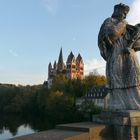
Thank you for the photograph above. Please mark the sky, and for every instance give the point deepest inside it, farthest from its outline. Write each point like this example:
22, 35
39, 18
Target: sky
33, 31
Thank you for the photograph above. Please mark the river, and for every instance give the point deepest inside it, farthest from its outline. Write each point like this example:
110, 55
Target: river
22, 130
13, 126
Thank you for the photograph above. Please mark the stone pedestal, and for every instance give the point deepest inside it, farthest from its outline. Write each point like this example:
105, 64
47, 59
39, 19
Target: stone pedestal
126, 123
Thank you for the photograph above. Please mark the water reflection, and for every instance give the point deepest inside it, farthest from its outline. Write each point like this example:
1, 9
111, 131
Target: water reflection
16, 125
22, 130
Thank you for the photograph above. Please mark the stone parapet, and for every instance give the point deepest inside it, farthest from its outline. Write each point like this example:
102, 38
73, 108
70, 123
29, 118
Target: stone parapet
125, 123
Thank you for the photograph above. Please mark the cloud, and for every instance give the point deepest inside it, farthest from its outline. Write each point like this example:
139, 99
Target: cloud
13, 53
95, 64
134, 15
51, 6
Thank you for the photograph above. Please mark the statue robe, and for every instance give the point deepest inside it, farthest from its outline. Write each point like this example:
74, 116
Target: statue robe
122, 69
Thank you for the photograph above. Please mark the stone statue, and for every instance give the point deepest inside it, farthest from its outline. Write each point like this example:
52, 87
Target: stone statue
118, 43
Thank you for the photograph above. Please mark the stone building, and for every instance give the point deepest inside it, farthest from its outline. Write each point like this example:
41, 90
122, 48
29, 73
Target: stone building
73, 69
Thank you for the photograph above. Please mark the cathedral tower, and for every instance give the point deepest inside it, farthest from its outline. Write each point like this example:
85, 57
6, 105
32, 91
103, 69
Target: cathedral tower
71, 67
60, 64
79, 67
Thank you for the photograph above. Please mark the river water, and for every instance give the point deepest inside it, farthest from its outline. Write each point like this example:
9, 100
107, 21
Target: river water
13, 126
22, 130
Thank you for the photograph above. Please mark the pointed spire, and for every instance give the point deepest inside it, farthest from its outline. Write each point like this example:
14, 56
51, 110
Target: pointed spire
54, 65
60, 64
50, 65
79, 58
60, 60
49, 70
70, 57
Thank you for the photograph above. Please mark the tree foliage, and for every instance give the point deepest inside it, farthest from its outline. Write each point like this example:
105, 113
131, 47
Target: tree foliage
94, 80
57, 103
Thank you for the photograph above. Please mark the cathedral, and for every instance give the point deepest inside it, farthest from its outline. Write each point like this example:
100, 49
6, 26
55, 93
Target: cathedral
73, 69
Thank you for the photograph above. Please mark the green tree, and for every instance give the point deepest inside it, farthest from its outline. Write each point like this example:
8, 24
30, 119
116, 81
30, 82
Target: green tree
93, 80
60, 108
88, 108
59, 83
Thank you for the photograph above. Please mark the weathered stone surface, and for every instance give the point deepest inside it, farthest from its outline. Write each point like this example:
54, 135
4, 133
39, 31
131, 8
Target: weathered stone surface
126, 117
83, 136
122, 65
95, 131
125, 124
125, 99
101, 133
73, 131
124, 133
54, 134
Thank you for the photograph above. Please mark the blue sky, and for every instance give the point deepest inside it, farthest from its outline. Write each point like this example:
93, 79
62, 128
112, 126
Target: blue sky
33, 31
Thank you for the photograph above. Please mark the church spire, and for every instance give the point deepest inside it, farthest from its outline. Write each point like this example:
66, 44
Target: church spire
60, 63
60, 60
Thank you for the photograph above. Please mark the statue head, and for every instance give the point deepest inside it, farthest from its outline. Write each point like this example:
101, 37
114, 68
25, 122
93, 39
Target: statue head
120, 11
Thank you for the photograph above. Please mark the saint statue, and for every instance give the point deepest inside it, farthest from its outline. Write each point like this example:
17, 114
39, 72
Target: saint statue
118, 43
